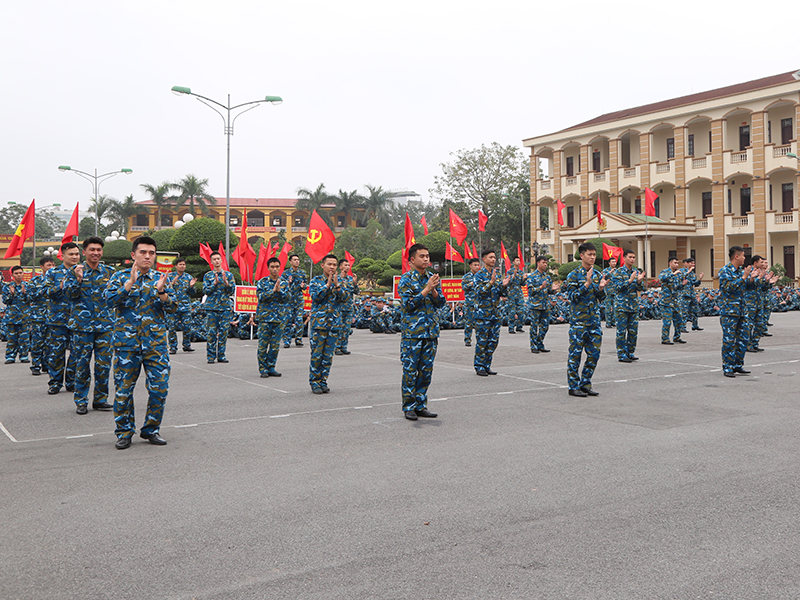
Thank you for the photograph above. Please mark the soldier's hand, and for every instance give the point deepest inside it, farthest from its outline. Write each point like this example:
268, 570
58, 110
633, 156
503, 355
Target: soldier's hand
700, 276
162, 282
277, 285
192, 282
603, 282
641, 275
544, 285
79, 272
506, 279
134, 275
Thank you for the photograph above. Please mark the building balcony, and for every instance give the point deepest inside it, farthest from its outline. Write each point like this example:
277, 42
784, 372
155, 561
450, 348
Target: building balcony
703, 227
570, 184
777, 222
598, 181
737, 162
776, 157
544, 236
736, 225
697, 166
662, 172
627, 176
544, 187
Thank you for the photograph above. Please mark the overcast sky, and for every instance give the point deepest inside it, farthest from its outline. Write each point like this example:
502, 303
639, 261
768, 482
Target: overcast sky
374, 92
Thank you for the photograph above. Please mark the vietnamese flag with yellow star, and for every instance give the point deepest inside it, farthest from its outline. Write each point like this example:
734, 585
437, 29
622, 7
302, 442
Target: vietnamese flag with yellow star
26, 229
320, 240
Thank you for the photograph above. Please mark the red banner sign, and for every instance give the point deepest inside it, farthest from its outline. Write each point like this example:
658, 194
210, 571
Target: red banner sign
245, 299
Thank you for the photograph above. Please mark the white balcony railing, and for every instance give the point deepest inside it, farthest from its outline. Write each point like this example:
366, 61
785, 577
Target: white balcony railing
546, 234
139, 228
739, 221
739, 157
546, 185
599, 176
629, 173
701, 224
664, 168
784, 218
699, 163
572, 180
779, 151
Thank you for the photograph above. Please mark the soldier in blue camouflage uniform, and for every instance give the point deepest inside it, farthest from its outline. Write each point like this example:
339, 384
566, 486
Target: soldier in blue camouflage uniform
671, 282
515, 302
380, 317
181, 284
140, 300
348, 283
58, 335
468, 287
628, 282
420, 297
609, 305
90, 325
327, 302
297, 280
38, 320
540, 287
17, 296
585, 289
218, 286
488, 290
754, 302
733, 281
689, 305
272, 293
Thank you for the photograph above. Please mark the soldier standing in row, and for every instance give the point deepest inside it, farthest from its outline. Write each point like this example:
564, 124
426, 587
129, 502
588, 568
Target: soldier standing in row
468, 287
180, 282
608, 274
669, 303
17, 296
628, 282
689, 306
39, 307
540, 286
218, 286
296, 278
488, 290
58, 335
515, 304
348, 283
733, 282
90, 325
327, 303
272, 292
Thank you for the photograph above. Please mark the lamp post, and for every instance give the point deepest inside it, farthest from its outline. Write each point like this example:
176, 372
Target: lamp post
228, 124
95, 180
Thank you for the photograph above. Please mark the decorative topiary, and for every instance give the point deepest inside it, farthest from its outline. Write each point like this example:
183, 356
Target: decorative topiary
187, 239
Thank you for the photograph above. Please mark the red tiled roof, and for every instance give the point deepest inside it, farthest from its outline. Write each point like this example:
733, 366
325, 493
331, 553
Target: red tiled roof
731, 90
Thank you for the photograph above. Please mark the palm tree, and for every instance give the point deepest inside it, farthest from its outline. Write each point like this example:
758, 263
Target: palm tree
193, 192
121, 212
377, 205
159, 195
100, 207
311, 201
348, 202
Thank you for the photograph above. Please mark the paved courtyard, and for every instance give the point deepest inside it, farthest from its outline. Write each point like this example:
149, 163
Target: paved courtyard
674, 483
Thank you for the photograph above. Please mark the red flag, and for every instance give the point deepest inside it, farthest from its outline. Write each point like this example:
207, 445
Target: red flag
451, 253
320, 240
244, 255
482, 220
410, 241
284, 255
599, 210
458, 229
560, 206
205, 253
467, 253
351, 260
221, 251
505, 257
262, 270
474, 252
404, 256
424, 225
26, 229
72, 228
519, 252
610, 252
650, 198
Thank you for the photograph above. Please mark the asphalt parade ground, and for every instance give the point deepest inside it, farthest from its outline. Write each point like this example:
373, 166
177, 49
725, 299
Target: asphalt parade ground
673, 483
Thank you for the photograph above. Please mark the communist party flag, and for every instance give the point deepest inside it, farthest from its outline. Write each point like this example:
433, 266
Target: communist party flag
262, 270
505, 257
458, 229
650, 198
451, 253
560, 207
244, 255
611, 251
410, 241
72, 231
351, 260
284, 255
320, 240
482, 220
221, 251
26, 229
424, 225
205, 252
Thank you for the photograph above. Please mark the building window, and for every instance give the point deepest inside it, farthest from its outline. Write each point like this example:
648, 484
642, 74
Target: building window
744, 137
670, 148
706, 204
340, 221
638, 206
570, 166
730, 201
570, 257
769, 132
787, 198
277, 221
570, 216
709, 142
234, 222
694, 255
786, 131
744, 200
142, 220
298, 222
788, 261
690, 151
166, 220
596, 161
770, 198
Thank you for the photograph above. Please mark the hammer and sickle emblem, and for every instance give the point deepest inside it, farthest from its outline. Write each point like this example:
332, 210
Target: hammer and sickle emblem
314, 236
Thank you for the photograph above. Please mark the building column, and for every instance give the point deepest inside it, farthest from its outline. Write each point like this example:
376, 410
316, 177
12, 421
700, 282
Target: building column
718, 200
640, 252
758, 196
681, 250
679, 164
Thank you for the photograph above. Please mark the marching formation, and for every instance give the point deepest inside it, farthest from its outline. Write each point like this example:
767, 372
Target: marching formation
78, 311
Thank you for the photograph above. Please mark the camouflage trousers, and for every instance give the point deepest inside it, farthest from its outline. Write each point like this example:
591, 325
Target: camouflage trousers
380, 323
487, 333
627, 332
671, 315
217, 326
19, 341
181, 321
269, 343
469, 322
84, 344
515, 310
323, 343
127, 366
583, 338
735, 337
293, 323
416, 356
60, 369
609, 310
344, 334
540, 324
39, 348
690, 310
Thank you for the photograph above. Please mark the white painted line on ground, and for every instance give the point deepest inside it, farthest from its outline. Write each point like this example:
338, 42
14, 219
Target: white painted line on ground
672, 375
261, 385
75, 437
183, 426
361, 407
279, 416
8, 433
620, 381
503, 393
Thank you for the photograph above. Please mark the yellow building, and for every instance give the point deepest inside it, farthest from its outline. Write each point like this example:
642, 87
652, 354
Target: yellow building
719, 161
267, 218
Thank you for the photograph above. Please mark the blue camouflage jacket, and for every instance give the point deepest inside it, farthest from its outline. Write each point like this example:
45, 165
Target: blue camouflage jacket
181, 284
691, 282
732, 287
60, 305
671, 284
487, 295
218, 288
515, 283
419, 318
140, 322
584, 301
627, 296
468, 287
17, 301
271, 303
538, 298
327, 304
298, 281
38, 299
348, 284
90, 311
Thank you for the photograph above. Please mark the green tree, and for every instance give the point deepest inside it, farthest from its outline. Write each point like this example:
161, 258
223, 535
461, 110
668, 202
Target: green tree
187, 239
86, 228
370, 271
378, 203
47, 224
193, 191
121, 212
163, 237
363, 242
160, 196
101, 207
117, 252
310, 201
348, 203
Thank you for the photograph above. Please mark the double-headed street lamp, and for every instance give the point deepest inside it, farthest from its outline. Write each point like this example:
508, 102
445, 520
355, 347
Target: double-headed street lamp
226, 119
95, 180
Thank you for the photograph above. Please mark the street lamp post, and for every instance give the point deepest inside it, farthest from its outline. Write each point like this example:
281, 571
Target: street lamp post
228, 123
95, 180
